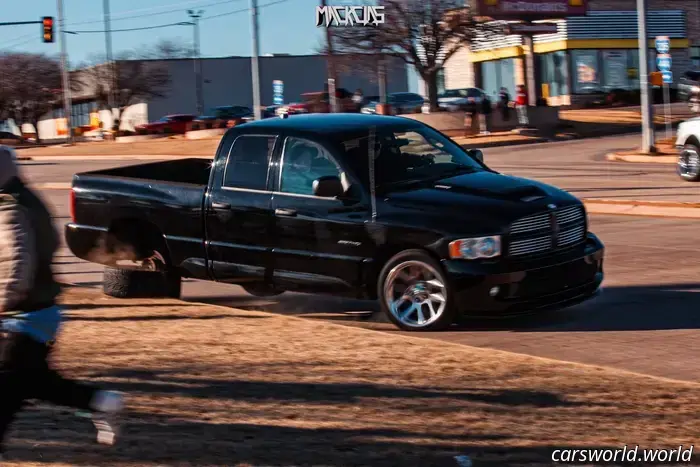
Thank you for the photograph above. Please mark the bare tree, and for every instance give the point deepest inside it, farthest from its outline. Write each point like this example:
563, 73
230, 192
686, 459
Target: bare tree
134, 80
31, 85
422, 33
168, 49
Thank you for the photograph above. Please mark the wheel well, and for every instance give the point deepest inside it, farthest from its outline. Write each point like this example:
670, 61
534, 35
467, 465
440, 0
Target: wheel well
382, 257
140, 234
692, 140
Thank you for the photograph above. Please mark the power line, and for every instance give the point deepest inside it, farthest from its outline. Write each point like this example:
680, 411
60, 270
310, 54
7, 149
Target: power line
170, 11
180, 23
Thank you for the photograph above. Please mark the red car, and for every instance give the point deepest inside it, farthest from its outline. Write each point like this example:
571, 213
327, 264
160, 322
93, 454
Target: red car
170, 124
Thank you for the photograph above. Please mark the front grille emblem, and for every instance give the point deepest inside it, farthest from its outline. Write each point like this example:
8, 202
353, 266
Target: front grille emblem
552, 206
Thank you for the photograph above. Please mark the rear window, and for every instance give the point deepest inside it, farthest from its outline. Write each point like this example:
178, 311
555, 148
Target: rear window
248, 162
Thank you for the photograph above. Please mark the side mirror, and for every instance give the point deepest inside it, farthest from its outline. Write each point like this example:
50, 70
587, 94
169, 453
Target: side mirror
328, 187
477, 154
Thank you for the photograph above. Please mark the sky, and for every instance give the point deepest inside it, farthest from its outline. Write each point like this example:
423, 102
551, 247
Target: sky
285, 26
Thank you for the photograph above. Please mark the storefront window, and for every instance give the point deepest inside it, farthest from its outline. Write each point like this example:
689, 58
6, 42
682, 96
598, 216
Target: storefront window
553, 73
497, 74
633, 68
695, 57
440, 81
586, 73
615, 66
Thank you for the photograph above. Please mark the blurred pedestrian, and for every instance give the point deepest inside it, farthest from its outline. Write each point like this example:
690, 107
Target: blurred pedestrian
358, 99
504, 104
485, 115
470, 111
521, 106
30, 317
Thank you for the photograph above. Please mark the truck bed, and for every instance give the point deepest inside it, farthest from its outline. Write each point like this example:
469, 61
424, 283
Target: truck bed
165, 196
189, 171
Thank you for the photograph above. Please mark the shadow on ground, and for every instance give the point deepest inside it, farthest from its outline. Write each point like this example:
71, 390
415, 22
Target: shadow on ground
626, 308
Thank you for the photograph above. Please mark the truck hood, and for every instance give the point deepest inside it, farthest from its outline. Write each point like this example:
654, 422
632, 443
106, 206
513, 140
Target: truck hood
491, 199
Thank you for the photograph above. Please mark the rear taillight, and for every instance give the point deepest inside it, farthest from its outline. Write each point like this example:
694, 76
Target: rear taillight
72, 205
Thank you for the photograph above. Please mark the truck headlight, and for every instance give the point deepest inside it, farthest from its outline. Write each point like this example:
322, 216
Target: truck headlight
475, 248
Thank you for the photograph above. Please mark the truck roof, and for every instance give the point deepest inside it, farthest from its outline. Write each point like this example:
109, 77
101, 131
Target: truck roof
329, 123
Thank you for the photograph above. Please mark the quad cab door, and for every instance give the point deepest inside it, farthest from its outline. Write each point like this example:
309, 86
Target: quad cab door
321, 243
239, 216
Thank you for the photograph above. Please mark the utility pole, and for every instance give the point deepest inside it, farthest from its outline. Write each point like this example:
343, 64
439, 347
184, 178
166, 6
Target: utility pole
647, 105
330, 62
110, 60
254, 64
197, 59
64, 73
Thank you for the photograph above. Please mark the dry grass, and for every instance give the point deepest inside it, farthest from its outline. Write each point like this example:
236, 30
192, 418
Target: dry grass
218, 386
170, 146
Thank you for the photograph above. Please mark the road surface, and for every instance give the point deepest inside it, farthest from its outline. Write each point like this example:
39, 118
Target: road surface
647, 320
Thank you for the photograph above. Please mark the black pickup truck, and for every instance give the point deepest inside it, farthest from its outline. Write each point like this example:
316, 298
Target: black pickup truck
358, 205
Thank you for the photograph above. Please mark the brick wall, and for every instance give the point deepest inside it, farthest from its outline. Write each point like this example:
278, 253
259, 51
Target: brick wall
459, 71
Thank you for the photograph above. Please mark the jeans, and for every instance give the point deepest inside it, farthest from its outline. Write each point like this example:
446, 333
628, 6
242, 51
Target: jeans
523, 120
25, 374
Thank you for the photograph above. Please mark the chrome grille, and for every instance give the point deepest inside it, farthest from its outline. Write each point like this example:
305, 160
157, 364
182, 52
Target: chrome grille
531, 223
543, 232
532, 245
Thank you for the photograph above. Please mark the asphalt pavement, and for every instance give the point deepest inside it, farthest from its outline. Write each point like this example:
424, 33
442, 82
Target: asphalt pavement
647, 320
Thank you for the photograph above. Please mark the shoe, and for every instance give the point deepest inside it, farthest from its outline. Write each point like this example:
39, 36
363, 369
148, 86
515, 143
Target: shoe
107, 405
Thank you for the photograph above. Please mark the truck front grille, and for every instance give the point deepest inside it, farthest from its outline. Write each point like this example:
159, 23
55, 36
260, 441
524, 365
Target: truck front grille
547, 231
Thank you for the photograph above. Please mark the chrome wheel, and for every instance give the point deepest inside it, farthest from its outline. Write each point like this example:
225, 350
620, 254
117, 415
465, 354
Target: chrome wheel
415, 294
689, 163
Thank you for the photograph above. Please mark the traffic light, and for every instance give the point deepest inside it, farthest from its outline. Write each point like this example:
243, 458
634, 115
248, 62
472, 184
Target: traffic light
47, 23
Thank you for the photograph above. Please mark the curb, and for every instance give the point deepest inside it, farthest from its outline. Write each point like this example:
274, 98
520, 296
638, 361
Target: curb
641, 158
672, 209
498, 144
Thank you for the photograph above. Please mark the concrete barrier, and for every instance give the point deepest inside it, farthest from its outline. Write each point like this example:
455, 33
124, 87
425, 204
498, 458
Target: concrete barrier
137, 138
542, 118
204, 134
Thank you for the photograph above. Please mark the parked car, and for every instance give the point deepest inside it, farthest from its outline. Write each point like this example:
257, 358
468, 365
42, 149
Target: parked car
399, 102
688, 144
170, 124
458, 99
289, 207
689, 89
224, 116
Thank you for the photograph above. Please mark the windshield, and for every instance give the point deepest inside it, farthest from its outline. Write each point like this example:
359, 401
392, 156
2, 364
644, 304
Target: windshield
407, 156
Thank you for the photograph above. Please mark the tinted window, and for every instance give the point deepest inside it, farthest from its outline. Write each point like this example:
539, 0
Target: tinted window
303, 162
473, 92
248, 162
407, 155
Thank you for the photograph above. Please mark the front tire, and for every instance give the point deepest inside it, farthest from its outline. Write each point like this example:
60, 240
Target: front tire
415, 294
689, 163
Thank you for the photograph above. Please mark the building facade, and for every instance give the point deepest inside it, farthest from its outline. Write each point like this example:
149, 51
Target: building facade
587, 55
225, 81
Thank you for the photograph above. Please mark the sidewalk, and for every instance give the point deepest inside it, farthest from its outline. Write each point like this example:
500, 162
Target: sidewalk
666, 153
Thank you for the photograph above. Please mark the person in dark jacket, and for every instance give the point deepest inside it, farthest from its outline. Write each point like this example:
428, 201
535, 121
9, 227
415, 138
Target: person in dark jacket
30, 317
504, 104
485, 115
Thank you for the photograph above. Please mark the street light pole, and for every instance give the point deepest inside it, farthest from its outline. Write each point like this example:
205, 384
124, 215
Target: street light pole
197, 59
64, 73
647, 107
110, 60
254, 63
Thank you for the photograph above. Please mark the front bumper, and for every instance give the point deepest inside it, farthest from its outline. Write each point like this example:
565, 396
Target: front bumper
514, 287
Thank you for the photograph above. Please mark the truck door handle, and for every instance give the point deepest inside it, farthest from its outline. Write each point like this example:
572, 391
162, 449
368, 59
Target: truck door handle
286, 212
221, 205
